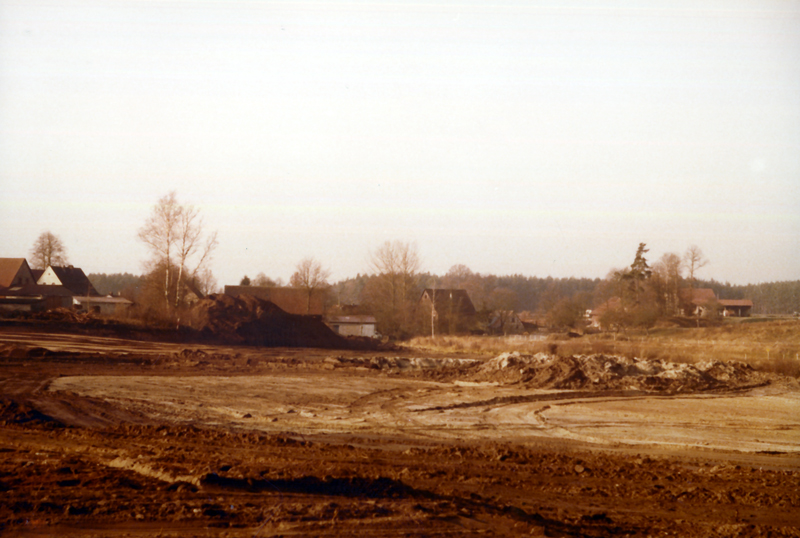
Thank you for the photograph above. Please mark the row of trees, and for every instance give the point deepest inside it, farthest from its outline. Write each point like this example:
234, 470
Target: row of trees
180, 251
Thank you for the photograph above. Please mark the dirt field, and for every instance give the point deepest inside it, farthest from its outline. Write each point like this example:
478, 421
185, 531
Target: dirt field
113, 437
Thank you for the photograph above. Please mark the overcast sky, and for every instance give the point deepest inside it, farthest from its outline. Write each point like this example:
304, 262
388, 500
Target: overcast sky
540, 138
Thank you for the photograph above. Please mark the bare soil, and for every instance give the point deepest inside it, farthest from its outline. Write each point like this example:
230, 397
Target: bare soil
104, 436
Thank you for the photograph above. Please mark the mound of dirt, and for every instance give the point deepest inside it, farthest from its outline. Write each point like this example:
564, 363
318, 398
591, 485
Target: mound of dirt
12, 412
254, 321
602, 372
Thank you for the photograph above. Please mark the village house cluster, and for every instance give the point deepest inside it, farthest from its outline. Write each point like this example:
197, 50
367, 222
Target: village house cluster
698, 302
450, 310
35, 290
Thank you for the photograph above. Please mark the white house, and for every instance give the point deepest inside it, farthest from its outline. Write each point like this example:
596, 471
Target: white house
72, 278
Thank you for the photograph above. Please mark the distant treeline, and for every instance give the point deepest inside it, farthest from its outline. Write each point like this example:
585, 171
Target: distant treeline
537, 294
530, 293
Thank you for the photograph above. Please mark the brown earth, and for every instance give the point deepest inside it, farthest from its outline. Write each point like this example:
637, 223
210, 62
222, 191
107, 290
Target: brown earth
103, 436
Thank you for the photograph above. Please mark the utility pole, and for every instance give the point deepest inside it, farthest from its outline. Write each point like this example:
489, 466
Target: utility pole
433, 311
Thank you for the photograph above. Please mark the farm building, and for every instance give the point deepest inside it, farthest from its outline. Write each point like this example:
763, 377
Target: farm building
35, 298
701, 301
15, 272
355, 325
105, 306
505, 322
72, 278
291, 300
737, 308
451, 308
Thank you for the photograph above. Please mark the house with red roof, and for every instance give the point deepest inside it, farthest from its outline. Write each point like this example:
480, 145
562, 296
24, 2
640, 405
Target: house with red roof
15, 272
701, 301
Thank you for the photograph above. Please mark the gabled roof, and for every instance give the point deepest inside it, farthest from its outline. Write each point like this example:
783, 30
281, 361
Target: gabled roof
74, 279
444, 298
736, 302
697, 296
12, 269
193, 288
292, 300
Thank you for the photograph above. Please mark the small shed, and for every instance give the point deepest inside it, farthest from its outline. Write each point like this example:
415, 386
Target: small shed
738, 308
355, 325
105, 306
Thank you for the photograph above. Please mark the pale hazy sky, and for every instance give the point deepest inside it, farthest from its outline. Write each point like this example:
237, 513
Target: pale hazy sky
541, 138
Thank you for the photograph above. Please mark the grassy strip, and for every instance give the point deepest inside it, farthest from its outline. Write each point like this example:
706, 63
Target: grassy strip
770, 346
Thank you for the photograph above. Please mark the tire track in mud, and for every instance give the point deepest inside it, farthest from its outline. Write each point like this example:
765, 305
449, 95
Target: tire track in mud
531, 398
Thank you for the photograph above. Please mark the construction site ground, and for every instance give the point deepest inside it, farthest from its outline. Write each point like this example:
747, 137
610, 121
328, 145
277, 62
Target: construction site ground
103, 436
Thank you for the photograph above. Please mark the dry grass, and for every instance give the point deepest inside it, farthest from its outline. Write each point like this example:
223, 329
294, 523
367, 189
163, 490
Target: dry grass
771, 345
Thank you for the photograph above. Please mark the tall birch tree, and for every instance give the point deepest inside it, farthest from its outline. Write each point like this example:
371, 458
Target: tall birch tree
175, 236
392, 293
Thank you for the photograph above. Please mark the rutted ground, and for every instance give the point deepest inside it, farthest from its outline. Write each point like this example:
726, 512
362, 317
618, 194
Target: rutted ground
101, 437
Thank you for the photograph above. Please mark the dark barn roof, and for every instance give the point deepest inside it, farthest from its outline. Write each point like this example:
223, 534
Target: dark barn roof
75, 280
444, 298
292, 300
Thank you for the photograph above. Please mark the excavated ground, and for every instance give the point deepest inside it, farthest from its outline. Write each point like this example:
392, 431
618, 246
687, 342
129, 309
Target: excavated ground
113, 437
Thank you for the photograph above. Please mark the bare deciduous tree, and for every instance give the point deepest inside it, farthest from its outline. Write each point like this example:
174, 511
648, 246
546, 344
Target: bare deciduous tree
206, 281
667, 277
264, 281
48, 250
174, 234
694, 260
457, 276
159, 233
310, 276
396, 265
190, 243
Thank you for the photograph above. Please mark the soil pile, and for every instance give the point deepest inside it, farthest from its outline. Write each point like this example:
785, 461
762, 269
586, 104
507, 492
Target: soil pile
13, 412
402, 364
601, 372
250, 320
